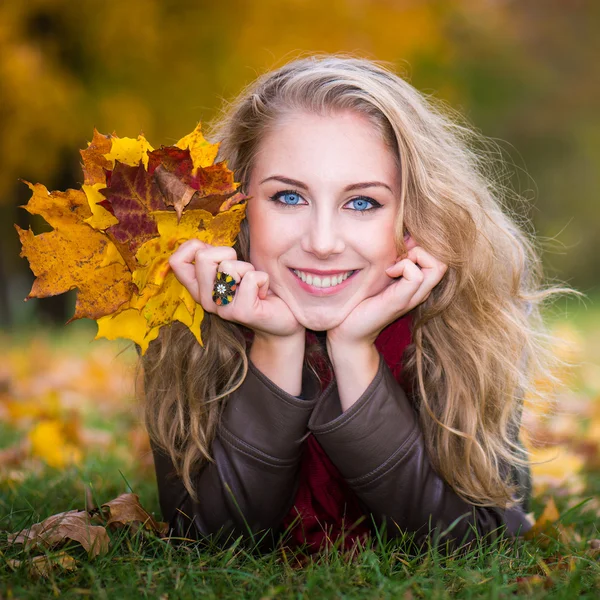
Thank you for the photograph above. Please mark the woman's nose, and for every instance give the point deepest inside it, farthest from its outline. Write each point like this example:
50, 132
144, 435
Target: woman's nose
323, 236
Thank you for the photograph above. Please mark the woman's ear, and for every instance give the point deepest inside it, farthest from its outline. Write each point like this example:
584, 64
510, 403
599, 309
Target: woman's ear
409, 242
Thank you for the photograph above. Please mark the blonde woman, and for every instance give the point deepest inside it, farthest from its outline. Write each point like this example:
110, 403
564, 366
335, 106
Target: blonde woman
368, 340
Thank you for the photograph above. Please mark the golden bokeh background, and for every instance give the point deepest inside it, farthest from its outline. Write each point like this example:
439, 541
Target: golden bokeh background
523, 72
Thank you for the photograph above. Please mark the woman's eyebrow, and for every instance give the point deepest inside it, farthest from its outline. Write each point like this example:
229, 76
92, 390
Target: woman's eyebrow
348, 188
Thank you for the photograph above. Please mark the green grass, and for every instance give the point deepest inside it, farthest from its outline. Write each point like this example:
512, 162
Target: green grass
143, 566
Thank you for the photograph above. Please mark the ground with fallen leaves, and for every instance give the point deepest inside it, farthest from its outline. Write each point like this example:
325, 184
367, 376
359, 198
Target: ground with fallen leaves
79, 512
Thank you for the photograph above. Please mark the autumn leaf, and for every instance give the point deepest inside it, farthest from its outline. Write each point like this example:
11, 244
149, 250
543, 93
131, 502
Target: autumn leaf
73, 525
126, 510
202, 152
74, 257
176, 161
129, 151
548, 527
101, 218
42, 566
181, 182
95, 163
59, 209
132, 195
113, 238
129, 324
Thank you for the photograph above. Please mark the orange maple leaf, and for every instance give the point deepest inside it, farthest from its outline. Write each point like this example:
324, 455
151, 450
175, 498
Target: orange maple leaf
113, 238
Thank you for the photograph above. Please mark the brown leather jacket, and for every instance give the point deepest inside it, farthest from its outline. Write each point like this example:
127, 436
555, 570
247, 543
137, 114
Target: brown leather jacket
376, 445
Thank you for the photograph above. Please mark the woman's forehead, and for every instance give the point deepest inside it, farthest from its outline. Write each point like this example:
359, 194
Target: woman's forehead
306, 145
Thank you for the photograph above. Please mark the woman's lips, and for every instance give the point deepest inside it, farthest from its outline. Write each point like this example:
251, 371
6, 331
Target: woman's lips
320, 291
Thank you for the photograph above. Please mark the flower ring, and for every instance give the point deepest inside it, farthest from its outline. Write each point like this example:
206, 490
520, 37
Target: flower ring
224, 289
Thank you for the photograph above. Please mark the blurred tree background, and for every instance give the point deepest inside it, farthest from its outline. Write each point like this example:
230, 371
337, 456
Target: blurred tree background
524, 72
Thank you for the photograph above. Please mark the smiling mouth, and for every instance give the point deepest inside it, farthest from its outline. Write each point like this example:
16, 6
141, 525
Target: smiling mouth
323, 282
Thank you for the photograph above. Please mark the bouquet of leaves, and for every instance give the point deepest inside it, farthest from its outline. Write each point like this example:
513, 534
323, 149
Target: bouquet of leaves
112, 238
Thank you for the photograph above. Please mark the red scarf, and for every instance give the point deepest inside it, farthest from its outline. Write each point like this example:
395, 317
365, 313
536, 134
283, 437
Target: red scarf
325, 508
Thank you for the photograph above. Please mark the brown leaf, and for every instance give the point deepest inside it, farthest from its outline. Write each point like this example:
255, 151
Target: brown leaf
547, 527
175, 192
212, 204
41, 566
127, 510
94, 161
71, 525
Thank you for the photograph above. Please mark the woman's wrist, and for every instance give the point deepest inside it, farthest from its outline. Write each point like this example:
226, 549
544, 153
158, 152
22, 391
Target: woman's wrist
355, 366
280, 359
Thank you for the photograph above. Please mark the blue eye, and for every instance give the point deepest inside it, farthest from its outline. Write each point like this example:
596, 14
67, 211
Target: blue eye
364, 204
289, 198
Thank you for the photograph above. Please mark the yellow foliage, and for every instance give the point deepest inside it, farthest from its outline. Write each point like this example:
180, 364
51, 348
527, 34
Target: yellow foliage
101, 218
202, 152
129, 151
120, 262
50, 442
129, 324
556, 467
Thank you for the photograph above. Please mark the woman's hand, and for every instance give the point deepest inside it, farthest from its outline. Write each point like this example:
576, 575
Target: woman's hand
419, 273
352, 342
195, 265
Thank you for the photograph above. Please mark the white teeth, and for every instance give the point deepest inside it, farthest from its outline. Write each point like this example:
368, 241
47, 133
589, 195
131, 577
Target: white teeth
326, 282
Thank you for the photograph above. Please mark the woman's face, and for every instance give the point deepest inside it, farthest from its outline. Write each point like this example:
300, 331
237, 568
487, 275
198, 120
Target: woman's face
324, 196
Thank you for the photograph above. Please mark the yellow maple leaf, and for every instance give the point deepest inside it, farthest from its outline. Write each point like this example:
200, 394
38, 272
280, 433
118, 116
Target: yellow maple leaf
59, 209
129, 150
101, 218
129, 324
203, 153
153, 256
73, 257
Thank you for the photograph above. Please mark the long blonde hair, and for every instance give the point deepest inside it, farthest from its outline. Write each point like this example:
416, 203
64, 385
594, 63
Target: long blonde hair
478, 341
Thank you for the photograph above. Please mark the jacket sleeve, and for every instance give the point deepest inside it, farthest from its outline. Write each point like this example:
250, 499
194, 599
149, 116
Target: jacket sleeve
378, 447
250, 486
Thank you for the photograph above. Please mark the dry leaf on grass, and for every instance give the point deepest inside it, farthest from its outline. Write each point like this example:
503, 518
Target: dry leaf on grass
80, 526
548, 527
41, 566
127, 510
71, 525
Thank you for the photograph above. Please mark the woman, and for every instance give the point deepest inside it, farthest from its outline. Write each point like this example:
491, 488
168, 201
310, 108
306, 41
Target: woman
368, 367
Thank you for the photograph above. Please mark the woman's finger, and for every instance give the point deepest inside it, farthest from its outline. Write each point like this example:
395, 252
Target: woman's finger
433, 270
254, 284
222, 288
182, 264
206, 262
236, 268
408, 270
427, 261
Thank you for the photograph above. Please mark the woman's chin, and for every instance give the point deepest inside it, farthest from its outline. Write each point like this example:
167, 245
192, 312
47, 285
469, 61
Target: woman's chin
322, 322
